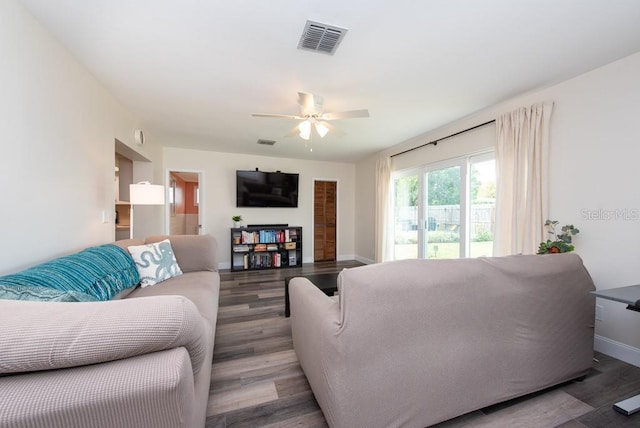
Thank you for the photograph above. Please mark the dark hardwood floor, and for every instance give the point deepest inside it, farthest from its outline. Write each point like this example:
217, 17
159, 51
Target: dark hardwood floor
257, 382
256, 379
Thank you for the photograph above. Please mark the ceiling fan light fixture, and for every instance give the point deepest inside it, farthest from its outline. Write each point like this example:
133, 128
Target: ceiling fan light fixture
313, 117
305, 129
322, 129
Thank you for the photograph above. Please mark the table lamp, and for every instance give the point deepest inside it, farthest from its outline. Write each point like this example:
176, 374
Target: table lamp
144, 193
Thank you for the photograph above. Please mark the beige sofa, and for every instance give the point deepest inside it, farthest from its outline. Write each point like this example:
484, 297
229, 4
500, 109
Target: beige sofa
142, 359
412, 343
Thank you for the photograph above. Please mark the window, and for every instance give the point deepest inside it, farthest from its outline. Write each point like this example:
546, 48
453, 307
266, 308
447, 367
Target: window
446, 209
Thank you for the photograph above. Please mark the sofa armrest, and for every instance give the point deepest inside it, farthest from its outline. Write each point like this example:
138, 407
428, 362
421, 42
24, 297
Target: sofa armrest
315, 326
309, 302
151, 390
44, 336
312, 312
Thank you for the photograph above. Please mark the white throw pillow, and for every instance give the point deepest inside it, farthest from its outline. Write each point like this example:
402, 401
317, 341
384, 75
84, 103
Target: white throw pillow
155, 262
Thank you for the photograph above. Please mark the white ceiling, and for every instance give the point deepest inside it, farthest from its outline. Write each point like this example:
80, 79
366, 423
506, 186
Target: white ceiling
193, 71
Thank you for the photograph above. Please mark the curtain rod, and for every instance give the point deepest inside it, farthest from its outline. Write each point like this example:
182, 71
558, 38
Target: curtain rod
435, 142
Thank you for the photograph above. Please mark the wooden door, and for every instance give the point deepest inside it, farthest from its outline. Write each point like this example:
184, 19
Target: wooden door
324, 220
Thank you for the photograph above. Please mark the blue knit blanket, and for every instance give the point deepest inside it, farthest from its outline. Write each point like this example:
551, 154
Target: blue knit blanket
101, 272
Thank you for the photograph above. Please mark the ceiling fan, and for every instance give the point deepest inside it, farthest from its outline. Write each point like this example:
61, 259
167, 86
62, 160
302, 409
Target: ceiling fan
313, 117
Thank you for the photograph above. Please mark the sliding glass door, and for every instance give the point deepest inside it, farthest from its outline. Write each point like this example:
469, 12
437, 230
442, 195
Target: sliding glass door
445, 210
482, 211
406, 203
444, 196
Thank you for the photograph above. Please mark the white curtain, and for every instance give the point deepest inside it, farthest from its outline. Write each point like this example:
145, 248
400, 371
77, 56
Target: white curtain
383, 203
522, 185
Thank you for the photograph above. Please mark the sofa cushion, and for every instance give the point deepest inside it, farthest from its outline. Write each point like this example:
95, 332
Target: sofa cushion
202, 288
36, 293
155, 262
193, 252
101, 272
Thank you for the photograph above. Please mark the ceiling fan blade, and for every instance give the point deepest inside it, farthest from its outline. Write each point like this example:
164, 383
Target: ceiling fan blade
310, 104
293, 132
281, 116
346, 114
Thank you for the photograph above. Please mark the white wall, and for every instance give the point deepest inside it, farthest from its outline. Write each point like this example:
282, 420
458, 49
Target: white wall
218, 197
594, 156
595, 152
365, 210
58, 131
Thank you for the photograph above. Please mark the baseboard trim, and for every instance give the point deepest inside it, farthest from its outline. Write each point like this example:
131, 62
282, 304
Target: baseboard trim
619, 350
364, 260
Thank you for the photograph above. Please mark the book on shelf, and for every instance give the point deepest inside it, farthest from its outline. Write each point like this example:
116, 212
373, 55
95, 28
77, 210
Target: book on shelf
259, 261
240, 248
249, 237
267, 236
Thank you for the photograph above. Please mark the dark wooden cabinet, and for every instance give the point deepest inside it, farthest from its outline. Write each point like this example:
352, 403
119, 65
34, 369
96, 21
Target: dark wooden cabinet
256, 248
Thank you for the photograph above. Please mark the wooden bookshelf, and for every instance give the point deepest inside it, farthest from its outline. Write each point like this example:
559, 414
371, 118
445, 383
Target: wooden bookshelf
268, 247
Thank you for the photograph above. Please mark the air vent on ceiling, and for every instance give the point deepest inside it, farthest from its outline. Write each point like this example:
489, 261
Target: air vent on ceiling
321, 38
266, 142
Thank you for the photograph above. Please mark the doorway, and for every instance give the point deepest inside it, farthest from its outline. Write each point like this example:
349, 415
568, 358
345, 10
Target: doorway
185, 203
324, 220
128, 164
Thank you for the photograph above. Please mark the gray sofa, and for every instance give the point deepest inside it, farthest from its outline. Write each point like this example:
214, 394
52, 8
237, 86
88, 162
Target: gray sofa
141, 359
416, 342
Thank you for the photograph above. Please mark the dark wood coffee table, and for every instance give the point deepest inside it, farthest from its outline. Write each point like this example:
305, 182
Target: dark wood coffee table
327, 282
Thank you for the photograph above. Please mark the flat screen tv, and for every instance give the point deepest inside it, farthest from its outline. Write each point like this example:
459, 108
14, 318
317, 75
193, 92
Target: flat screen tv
266, 189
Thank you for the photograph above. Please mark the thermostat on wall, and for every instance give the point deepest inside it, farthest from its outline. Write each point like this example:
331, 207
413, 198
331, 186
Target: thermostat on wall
139, 136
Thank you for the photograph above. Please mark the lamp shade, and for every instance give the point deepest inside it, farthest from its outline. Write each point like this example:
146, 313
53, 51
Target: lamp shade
145, 193
322, 129
305, 129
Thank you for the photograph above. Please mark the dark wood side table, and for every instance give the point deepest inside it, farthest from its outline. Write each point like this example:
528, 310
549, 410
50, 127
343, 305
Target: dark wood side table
631, 297
327, 282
